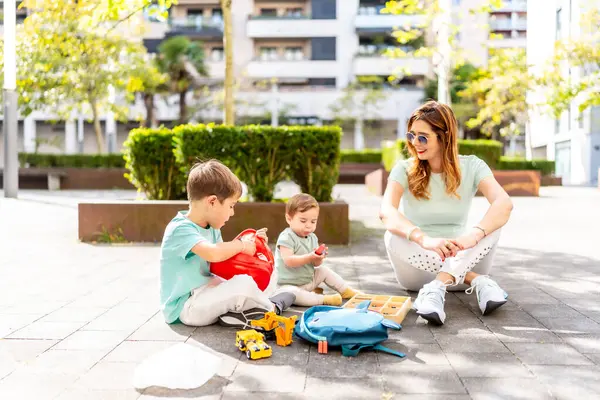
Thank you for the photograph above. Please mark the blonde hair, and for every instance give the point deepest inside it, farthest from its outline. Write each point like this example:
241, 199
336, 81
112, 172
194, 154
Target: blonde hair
443, 122
212, 178
300, 203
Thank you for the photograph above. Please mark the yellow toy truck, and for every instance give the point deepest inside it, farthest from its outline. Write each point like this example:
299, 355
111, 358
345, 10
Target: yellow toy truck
252, 342
281, 327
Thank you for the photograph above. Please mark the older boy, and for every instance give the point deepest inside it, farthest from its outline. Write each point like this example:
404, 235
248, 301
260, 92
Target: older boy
192, 240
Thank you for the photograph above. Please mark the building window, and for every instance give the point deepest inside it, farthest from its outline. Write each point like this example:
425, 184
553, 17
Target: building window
268, 53
294, 12
268, 12
195, 12
217, 54
293, 53
324, 82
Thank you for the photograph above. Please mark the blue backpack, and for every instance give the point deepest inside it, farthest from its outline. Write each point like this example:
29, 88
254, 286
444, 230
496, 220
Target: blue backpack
352, 329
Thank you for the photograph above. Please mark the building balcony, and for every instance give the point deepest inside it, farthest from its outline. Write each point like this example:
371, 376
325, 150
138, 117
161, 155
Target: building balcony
380, 65
512, 5
290, 27
291, 69
508, 25
370, 17
197, 27
508, 42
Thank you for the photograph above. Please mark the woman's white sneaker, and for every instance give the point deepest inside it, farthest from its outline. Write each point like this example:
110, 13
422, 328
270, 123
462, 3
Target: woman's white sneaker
429, 304
490, 296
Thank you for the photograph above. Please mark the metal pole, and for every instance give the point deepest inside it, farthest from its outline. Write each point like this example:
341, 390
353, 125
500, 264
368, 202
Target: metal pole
274, 104
110, 123
11, 160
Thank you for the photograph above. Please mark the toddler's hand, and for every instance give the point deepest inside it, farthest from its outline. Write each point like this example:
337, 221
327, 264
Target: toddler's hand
317, 259
249, 247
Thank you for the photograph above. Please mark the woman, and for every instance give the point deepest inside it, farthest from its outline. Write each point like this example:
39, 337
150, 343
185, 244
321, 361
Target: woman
429, 245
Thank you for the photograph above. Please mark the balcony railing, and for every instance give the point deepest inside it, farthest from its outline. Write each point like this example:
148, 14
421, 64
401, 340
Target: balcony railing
286, 16
370, 10
196, 24
512, 5
371, 50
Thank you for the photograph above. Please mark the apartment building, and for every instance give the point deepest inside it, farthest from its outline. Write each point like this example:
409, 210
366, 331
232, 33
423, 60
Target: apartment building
573, 140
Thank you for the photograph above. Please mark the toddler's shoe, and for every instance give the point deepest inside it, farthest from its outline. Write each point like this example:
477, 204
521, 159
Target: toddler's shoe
349, 293
332, 299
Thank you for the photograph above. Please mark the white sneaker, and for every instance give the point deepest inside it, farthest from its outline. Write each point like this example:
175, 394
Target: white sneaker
490, 296
430, 302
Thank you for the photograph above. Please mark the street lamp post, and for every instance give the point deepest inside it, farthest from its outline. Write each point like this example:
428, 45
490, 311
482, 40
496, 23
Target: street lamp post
11, 162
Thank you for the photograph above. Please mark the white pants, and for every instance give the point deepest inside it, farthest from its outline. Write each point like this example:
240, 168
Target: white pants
415, 266
240, 293
305, 295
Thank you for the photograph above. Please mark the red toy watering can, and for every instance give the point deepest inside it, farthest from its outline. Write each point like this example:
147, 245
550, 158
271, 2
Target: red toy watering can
259, 266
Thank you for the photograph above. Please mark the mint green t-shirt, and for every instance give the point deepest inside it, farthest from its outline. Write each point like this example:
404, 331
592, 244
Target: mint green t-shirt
297, 276
442, 215
181, 270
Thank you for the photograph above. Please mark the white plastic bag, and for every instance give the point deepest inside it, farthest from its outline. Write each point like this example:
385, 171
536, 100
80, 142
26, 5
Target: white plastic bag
181, 366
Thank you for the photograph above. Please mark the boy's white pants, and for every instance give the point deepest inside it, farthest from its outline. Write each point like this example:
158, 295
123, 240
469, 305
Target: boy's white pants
239, 293
305, 295
415, 266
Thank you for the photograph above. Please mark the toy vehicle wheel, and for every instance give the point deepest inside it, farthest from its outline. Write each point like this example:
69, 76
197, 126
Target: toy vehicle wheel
242, 345
249, 354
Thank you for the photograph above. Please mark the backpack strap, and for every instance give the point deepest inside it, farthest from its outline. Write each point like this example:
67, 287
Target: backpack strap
352, 350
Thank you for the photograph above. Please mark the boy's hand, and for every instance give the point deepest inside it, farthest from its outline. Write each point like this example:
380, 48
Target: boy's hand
262, 233
248, 247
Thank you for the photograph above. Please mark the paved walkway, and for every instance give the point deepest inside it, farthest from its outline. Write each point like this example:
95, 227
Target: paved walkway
76, 319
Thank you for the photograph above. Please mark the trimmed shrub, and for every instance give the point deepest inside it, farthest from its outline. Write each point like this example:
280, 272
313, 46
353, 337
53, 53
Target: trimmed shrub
316, 165
546, 167
42, 160
153, 169
365, 156
261, 156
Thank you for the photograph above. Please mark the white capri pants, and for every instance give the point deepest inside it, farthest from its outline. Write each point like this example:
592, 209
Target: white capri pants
414, 266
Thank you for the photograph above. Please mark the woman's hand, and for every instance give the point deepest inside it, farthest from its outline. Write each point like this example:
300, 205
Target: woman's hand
443, 247
469, 240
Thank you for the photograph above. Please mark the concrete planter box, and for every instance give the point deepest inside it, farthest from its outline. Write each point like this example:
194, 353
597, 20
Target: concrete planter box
74, 178
356, 172
145, 221
516, 183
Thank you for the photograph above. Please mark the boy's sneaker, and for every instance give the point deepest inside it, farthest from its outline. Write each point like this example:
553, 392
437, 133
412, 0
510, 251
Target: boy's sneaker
490, 296
241, 319
282, 301
430, 302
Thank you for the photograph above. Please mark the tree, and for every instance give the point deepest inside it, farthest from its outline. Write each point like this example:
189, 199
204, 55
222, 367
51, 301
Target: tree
443, 49
358, 103
500, 93
229, 77
70, 56
581, 52
181, 60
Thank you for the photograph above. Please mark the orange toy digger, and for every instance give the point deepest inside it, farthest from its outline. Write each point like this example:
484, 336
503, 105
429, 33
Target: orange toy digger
283, 327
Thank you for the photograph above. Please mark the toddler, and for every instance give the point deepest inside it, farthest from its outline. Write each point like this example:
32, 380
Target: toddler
298, 266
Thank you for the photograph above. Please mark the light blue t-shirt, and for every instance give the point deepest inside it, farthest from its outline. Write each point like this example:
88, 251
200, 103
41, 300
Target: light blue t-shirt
442, 215
181, 270
297, 276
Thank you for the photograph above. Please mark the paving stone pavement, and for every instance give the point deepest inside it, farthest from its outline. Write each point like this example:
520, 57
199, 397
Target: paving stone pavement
76, 319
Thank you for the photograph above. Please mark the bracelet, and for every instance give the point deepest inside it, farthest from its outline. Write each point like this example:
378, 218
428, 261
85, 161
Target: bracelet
410, 231
481, 229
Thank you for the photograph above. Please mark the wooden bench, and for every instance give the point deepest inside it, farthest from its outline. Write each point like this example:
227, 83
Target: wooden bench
39, 178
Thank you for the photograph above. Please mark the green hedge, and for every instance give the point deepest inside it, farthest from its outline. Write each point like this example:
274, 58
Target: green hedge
365, 156
153, 169
488, 150
41, 160
261, 156
546, 167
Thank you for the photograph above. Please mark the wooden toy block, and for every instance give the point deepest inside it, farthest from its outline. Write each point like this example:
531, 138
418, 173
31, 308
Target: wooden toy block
393, 308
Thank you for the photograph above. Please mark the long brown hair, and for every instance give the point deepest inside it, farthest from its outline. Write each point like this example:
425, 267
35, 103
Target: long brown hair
443, 122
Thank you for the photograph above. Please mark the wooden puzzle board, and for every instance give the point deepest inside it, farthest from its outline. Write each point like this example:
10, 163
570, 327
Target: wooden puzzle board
393, 308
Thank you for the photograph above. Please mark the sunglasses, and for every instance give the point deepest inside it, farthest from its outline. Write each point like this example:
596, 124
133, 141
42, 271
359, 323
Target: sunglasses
411, 137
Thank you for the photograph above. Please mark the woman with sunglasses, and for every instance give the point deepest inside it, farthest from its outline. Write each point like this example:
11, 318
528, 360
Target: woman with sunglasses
429, 243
